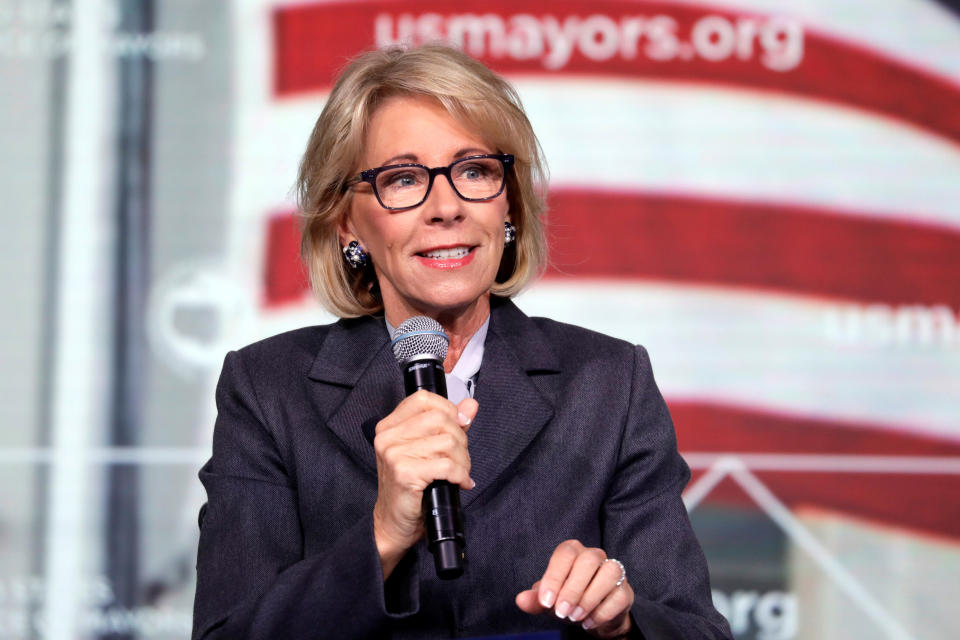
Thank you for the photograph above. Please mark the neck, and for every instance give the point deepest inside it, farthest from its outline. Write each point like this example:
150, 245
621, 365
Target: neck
458, 324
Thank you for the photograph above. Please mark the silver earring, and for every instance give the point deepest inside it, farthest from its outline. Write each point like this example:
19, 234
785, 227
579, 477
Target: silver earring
355, 255
509, 233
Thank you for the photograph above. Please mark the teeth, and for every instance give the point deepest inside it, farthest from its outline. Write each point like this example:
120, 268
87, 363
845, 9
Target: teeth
446, 254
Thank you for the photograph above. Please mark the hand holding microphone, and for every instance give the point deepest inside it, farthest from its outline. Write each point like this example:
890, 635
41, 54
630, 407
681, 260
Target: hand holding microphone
421, 442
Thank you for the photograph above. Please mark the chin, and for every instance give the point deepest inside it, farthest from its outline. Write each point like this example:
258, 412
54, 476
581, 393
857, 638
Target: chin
453, 302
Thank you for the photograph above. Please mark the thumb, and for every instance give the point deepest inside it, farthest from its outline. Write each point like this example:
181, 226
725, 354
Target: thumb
468, 408
528, 601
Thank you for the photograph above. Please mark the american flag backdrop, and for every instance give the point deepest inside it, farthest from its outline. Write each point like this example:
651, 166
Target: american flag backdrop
764, 193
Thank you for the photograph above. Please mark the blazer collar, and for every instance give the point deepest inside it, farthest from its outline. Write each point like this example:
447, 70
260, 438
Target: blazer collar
349, 349
360, 383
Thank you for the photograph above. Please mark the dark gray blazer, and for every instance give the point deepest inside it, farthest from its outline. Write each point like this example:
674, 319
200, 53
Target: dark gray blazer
573, 440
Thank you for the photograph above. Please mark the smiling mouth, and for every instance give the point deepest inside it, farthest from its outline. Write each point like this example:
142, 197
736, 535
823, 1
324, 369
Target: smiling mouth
446, 254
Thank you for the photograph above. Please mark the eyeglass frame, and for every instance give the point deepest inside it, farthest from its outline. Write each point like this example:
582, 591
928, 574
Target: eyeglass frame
370, 177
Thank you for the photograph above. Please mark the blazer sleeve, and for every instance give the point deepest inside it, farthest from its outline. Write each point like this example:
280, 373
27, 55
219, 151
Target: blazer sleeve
646, 524
252, 578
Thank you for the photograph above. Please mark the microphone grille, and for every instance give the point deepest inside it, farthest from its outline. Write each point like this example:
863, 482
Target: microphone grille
419, 335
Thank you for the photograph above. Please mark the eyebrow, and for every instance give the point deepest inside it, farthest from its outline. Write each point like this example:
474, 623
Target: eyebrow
470, 151
412, 157
403, 157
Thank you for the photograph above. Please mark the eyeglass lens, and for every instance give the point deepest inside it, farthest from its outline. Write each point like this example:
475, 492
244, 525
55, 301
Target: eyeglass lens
472, 178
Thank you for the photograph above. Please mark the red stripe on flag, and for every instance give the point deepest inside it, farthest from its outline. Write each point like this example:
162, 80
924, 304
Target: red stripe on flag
719, 242
923, 502
769, 246
706, 426
284, 276
633, 39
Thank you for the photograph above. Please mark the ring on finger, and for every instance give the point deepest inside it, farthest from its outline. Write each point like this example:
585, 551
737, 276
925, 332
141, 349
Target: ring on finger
623, 570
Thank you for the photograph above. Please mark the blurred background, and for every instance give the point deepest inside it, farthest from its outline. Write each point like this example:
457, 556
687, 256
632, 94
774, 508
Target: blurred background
765, 193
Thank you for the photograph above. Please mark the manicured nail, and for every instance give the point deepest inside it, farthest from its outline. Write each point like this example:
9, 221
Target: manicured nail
473, 483
464, 420
577, 614
547, 598
588, 624
562, 609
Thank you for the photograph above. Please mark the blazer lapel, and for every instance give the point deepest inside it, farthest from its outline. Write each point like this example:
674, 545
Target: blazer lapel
513, 409
359, 383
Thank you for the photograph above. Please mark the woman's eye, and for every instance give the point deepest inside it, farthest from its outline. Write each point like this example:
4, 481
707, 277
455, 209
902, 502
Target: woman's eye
400, 180
473, 172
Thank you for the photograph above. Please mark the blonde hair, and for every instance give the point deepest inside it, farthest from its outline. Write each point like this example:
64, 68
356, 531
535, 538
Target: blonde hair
477, 98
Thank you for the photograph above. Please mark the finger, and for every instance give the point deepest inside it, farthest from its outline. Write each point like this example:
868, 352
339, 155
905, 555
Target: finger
557, 571
528, 600
612, 609
417, 474
418, 426
602, 583
420, 402
426, 425
403, 452
440, 445
467, 411
581, 576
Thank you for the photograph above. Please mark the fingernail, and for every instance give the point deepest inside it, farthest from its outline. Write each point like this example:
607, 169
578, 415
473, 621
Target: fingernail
588, 624
577, 614
562, 609
473, 483
464, 420
547, 598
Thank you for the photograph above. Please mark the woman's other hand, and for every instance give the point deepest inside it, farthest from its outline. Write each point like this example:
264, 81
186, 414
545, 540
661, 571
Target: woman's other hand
424, 439
581, 585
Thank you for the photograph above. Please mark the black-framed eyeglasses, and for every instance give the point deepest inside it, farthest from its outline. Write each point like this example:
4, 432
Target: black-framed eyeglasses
404, 186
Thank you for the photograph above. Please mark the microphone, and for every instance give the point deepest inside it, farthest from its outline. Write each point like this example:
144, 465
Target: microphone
420, 346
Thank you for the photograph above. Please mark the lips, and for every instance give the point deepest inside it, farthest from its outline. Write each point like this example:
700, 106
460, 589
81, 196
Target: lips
447, 257
453, 253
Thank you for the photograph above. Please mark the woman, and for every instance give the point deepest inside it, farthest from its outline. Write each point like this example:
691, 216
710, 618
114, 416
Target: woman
420, 189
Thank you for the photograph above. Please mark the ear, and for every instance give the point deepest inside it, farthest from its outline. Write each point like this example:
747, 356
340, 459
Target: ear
345, 231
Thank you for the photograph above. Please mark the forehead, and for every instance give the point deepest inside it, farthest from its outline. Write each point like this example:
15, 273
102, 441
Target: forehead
418, 128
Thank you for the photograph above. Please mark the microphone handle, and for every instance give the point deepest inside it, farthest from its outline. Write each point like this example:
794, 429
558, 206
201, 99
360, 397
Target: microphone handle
441, 500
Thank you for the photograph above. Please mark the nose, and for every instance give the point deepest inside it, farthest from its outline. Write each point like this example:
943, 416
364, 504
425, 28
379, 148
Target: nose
443, 205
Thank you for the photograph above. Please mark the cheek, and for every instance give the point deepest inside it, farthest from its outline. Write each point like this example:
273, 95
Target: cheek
385, 236
391, 238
